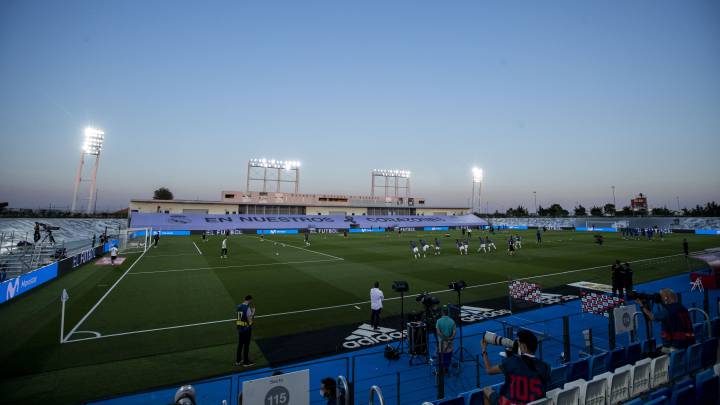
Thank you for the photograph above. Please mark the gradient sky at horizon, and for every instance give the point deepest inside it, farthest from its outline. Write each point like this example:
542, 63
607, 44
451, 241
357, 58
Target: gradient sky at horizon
566, 98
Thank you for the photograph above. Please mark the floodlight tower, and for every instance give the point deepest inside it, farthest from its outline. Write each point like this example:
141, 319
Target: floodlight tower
477, 175
258, 171
92, 146
393, 181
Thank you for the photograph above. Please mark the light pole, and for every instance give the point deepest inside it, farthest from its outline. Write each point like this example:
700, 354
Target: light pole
477, 174
535, 199
678, 202
93, 146
614, 204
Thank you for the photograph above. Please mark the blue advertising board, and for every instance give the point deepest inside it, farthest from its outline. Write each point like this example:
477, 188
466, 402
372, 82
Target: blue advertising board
365, 230
595, 229
277, 231
707, 231
435, 228
19, 285
171, 233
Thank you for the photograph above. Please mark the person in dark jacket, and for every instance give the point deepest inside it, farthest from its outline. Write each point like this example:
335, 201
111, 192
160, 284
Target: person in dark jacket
617, 278
676, 328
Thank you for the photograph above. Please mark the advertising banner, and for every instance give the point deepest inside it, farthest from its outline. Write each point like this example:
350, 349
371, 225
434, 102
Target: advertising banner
12, 288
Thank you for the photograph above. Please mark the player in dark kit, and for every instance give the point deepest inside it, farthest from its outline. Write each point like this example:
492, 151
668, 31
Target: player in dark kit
538, 237
686, 248
307, 238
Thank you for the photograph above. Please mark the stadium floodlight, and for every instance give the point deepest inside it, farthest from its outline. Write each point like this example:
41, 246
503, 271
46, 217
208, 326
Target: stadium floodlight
392, 179
275, 164
477, 174
93, 141
92, 145
279, 166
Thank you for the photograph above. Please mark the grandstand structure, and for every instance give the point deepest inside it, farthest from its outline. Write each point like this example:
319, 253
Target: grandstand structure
279, 203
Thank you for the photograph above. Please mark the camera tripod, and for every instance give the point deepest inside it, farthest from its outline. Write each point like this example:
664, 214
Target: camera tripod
461, 352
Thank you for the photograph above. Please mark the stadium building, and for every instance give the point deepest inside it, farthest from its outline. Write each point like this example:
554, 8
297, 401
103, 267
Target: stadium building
283, 203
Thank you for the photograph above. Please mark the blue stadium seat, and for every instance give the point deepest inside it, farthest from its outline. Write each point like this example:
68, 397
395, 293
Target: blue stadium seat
634, 353
579, 369
683, 396
452, 401
474, 397
616, 359
662, 400
709, 352
648, 346
699, 330
636, 401
662, 392
715, 326
678, 364
707, 390
558, 377
694, 358
598, 364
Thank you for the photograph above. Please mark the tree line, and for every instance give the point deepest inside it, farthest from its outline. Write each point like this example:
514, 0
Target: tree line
711, 209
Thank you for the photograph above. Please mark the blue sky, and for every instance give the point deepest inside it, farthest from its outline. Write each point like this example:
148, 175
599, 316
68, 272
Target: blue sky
563, 97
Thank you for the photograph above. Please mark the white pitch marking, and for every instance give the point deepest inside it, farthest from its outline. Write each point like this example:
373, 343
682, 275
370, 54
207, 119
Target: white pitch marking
94, 307
198, 249
236, 266
312, 251
92, 332
354, 304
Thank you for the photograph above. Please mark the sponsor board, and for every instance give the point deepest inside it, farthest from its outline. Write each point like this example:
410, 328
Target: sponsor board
105, 261
595, 229
284, 389
323, 230
365, 336
588, 285
470, 314
366, 230
83, 257
550, 299
26, 282
277, 232
407, 229
171, 233
436, 228
707, 231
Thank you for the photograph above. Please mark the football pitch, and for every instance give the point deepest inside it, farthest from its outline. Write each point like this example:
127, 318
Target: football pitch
167, 315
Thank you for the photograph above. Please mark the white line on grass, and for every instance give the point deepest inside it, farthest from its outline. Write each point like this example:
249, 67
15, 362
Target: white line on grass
307, 250
235, 266
173, 255
198, 249
94, 307
337, 306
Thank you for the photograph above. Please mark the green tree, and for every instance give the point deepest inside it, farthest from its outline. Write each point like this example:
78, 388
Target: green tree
596, 211
163, 193
661, 212
580, 211
556, 210
609, 209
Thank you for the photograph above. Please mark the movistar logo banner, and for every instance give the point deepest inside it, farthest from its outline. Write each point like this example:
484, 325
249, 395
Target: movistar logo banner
19, 285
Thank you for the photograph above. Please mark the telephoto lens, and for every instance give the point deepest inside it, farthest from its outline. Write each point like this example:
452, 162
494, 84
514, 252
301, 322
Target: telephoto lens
493, 339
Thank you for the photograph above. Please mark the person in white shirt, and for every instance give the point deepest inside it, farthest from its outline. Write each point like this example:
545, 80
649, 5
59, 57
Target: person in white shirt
113, 254
223, 252
376, 305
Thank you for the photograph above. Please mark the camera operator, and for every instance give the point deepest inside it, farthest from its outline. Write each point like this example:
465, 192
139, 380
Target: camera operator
617, 278
446, 330
676, 327
526, 378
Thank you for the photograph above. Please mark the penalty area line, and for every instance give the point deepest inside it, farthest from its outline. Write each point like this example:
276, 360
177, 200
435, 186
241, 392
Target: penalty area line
198, 249
97, 304
307, 250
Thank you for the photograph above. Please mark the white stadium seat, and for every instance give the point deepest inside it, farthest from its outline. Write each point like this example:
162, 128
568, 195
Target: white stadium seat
595, 392
659, 368
618, 385
569, 396
640, 378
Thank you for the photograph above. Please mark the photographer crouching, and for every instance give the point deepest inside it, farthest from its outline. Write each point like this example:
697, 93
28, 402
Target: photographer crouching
526, 377
676, 327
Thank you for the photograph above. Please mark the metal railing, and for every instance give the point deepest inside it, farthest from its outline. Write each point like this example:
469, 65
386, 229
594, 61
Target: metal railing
376, 391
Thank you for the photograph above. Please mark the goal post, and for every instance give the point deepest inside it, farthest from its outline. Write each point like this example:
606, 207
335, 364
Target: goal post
135, 240
601, 224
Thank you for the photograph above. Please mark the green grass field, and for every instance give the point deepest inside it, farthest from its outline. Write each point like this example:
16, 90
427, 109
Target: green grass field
165, 317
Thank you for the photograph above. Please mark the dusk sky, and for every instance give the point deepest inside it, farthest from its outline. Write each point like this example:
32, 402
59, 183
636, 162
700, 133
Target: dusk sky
563, 97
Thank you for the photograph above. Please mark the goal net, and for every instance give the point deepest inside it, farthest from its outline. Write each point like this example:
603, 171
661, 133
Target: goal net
602, 224
135, 240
